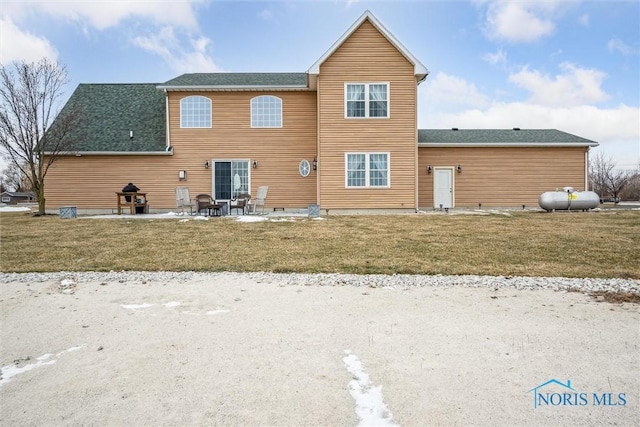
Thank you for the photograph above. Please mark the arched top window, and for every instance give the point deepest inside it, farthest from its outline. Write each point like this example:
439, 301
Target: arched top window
195, 112
266, 112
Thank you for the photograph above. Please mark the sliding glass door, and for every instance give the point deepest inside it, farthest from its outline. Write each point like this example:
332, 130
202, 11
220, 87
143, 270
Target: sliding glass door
230, 178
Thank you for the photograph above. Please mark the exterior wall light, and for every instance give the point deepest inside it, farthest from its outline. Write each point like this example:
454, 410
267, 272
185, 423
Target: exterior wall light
182, 175
459, 169
206, 164
255, 164
429, 168
315, 163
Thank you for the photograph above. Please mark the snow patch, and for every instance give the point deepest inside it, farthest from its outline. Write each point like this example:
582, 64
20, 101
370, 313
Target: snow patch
172, 304
14, 209
10, 371
67, 286
247, 218
370, 408
211, 312
135, 306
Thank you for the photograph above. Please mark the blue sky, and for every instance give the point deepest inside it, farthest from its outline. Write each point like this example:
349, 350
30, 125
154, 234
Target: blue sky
567, 64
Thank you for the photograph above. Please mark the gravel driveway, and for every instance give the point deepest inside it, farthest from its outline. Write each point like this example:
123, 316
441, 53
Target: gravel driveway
141, 348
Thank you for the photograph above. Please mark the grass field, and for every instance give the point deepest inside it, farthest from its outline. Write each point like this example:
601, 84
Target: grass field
570, 244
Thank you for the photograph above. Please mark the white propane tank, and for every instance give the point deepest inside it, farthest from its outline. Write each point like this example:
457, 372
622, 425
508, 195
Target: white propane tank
568, 199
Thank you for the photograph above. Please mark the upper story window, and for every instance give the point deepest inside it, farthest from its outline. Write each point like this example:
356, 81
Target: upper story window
366, 100
367, 170
266, 112
195, 112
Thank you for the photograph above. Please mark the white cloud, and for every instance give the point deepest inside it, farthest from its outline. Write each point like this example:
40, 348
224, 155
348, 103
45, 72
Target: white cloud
266, 14
521, 21
18, 45
445, 90
617, 128
617, 45
184, 55
600, 124
101, 14
584, 19
500, 57
575, 86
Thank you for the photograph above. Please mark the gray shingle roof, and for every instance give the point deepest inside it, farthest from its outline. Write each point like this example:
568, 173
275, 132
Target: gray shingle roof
20, 194
500, 136
111, 111
236, 79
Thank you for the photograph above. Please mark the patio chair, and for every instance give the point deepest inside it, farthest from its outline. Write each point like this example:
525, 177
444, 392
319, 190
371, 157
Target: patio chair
183, 200
204, 202
261, 197
240, 202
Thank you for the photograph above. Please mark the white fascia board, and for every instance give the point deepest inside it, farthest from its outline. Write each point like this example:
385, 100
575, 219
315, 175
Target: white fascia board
418, 68
233, 87
507, 144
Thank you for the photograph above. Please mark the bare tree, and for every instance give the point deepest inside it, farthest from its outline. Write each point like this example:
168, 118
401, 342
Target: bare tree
632, 189
606, 180
13, 178
32, 134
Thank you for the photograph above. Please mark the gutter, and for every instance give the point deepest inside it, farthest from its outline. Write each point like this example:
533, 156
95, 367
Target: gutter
507, 144
167, 152
234, 87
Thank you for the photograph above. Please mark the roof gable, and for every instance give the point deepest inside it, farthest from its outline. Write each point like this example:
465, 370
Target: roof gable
418, 68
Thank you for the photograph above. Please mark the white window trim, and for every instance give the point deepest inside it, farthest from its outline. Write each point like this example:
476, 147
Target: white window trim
210, 112
306, 168
265, 127
213, 176
366, 100
367, 175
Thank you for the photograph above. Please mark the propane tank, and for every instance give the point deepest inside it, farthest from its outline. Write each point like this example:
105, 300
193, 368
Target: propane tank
568, 199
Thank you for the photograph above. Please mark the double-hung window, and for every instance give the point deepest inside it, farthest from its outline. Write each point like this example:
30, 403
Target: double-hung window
366, 100
266, 112
195, 112
367, 170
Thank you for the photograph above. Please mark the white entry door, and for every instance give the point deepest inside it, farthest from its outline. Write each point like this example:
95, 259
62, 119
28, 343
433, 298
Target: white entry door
443, 188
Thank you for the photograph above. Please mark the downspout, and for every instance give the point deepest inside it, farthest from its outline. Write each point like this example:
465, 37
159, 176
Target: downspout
416, 162
166, 100
586, 169
318, 150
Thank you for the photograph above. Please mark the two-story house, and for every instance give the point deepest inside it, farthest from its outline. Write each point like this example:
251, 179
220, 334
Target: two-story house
342, 135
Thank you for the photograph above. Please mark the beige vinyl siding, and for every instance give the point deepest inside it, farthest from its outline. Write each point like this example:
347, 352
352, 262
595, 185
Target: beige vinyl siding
502, 177
278, 152
90, 182
367, 57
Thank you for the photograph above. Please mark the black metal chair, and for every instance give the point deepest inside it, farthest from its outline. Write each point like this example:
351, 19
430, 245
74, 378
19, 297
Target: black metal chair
240, 202
204, 202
